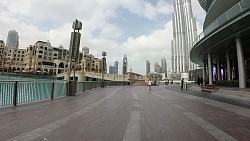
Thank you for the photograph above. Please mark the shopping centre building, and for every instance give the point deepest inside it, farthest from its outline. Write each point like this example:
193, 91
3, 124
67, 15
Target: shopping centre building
223, 48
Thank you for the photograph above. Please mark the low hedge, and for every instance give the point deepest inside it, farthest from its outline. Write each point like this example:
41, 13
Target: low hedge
230, 83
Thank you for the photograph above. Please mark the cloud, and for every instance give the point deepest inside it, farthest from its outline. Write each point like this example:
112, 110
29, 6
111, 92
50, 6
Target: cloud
152, 47
199, 15
52, 20
198, 12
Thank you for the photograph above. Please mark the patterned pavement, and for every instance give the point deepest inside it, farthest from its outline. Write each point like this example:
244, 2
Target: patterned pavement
129, 113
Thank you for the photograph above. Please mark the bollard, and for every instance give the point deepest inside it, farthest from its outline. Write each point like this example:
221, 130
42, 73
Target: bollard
52, 90
15, 94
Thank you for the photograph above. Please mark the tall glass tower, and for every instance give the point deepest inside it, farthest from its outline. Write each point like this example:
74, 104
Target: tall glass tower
124, 65
12, 39
147, 67
116, 67
184, 33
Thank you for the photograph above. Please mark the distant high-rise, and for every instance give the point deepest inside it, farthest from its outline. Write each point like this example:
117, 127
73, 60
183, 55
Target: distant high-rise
184, 33
85, 50
111, 69
116, 67
12, 39
147, 67
125, 65
157, 68
163, 65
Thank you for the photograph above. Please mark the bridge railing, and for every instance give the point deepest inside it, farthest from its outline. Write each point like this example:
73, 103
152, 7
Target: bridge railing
17, 92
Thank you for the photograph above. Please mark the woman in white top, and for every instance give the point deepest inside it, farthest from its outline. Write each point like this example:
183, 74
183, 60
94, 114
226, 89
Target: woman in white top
149, 84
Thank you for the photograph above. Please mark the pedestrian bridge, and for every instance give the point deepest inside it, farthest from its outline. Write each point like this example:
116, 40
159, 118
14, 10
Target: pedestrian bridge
90, 76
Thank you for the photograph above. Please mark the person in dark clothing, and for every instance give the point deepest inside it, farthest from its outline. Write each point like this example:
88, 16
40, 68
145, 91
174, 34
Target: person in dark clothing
182, 81
198, 80
201, 81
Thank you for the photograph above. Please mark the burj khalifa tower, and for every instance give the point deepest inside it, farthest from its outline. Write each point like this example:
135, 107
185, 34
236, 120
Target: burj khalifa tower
184, 33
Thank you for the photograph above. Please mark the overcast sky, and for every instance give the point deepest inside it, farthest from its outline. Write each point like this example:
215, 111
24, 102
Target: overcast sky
141, 29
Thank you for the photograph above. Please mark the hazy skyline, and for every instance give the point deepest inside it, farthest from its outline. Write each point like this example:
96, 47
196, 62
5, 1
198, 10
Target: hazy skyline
141, 29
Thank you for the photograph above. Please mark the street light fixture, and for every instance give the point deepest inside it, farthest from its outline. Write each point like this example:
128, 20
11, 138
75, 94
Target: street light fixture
103, 66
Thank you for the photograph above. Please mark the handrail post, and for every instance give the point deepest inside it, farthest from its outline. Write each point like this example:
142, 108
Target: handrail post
15, 94
52, 90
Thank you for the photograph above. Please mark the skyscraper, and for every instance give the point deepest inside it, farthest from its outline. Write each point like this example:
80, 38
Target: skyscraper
125, 65
111, 69
164, 65
116, 67
157, 68
184, 33
147, 67
12, 39
85, 50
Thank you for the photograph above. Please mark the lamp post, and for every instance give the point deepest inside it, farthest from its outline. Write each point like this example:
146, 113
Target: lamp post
74, 51
103, 66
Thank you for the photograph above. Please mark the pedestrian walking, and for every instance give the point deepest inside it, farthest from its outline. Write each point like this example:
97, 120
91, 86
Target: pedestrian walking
182, 81
149, 84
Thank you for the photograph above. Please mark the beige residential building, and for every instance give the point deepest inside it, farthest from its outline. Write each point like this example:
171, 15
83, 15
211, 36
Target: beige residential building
2, 46
44, 58
14, 59
90, 64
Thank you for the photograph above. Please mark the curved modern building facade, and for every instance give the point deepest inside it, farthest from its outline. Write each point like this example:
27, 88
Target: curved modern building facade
223, 48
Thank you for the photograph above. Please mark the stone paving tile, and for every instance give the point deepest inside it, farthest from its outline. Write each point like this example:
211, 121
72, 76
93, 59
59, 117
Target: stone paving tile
19, 122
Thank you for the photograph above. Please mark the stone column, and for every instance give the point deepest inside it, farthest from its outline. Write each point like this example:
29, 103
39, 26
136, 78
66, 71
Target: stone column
241, 64
229, 75
204, 72
218, 69
210, 73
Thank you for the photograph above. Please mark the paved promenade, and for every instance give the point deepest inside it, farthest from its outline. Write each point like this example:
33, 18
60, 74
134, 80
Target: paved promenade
129, 113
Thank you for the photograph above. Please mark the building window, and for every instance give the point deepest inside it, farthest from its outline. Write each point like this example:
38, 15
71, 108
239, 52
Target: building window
39, 63
45, 48
41, 52
39, 56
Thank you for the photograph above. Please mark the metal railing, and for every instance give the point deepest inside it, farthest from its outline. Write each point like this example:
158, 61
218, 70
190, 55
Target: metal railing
231, 13
17, 92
